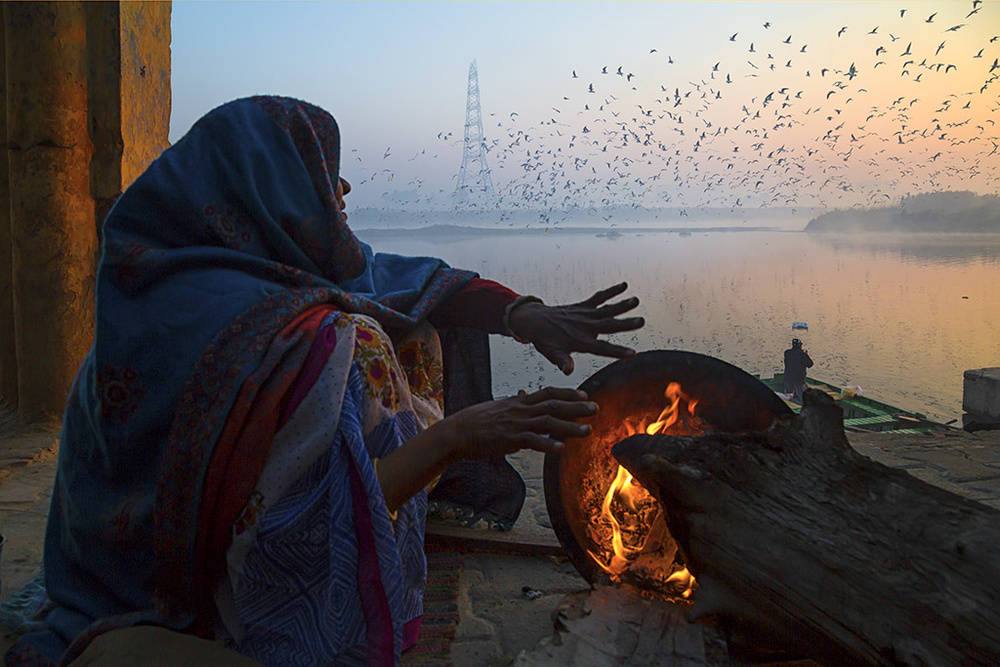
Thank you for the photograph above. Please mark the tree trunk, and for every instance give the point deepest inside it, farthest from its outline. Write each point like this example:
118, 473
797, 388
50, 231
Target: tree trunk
793, 535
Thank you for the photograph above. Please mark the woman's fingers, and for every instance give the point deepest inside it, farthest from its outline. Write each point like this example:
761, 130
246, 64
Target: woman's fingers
616, 309
564, 409
603, 295
617, 326
541, 443
558, 357
552, 393
560, 429
605, 349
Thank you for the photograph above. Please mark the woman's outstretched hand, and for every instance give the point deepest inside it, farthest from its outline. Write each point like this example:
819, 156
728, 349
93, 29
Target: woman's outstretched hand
540, 420
557, 331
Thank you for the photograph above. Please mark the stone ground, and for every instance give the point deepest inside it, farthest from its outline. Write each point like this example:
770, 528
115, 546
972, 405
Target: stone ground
498, 621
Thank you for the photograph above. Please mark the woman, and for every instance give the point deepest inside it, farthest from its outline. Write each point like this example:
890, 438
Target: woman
246, 446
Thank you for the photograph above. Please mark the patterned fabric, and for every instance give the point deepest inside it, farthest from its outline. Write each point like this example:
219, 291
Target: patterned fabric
292, 595
214, 262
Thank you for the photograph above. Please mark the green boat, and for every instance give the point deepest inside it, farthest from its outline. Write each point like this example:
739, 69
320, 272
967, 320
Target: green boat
863, 414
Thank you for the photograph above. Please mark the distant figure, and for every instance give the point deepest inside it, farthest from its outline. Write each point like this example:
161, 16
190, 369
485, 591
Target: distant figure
796, 362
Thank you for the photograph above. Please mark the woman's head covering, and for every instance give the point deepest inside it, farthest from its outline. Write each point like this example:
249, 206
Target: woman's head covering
252, 187
229, 236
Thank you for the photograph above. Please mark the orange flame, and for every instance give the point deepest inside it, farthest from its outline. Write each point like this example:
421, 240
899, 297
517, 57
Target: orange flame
626, 496
671, 413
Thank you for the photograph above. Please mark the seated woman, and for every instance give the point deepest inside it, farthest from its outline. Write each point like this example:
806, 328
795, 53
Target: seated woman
246, 447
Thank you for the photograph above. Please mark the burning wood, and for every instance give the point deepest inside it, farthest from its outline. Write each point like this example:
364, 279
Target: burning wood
627, 528
610, 526
795, 536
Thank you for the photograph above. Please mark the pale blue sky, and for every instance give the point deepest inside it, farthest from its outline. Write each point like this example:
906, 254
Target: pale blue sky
394, 74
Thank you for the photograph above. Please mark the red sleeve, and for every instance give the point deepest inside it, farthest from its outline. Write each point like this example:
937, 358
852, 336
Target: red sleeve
480, 304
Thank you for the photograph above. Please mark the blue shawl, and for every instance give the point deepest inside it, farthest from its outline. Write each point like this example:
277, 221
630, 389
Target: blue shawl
230, 235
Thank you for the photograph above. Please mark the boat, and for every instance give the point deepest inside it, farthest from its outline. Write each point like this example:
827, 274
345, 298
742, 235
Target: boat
861, 413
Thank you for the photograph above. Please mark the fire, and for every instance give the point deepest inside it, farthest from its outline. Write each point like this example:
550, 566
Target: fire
631, 512
672, 412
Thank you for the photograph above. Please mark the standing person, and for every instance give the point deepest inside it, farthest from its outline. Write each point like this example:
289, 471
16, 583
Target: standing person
246, 448
796, 362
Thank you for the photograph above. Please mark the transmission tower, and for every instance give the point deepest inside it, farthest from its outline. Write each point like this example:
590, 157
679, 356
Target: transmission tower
475, 186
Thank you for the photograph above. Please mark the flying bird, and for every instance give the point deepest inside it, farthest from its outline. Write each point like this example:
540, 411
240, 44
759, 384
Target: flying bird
841, 31
930, 19
733, 37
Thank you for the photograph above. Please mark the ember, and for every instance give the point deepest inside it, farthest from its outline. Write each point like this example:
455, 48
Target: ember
609, 524
627, 527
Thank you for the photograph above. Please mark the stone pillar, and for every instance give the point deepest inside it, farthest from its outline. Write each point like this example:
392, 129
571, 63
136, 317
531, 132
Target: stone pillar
8, 351
129, 93
87, 91
53, 237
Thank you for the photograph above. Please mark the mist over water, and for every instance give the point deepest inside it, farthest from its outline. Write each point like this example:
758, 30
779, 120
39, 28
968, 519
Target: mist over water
900, 316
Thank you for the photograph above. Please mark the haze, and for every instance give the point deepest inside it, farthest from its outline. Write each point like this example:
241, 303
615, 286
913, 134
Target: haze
742, 105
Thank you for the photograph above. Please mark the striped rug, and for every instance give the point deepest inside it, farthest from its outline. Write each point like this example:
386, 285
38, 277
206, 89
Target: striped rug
444, 568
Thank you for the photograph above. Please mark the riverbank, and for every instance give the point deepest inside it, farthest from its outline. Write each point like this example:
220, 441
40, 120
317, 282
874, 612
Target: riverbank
498, 621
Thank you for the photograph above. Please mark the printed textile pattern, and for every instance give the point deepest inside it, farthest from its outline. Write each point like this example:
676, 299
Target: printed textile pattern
226, 240
292, 596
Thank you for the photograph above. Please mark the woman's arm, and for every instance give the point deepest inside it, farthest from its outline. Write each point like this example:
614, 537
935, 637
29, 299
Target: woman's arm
479, 304
540, 421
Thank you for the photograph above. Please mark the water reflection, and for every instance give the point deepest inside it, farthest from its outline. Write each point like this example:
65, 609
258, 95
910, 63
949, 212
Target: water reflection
900, 318
934, 248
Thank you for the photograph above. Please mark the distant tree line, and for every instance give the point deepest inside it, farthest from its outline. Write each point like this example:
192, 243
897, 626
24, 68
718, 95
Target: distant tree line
931, 212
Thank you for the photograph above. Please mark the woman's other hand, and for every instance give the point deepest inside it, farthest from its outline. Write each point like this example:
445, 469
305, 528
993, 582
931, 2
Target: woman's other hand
557, 331
540, 420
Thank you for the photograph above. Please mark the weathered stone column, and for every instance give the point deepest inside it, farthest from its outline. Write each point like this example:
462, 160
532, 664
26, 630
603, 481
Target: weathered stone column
87, 92
53, 236
129, 93
8, 351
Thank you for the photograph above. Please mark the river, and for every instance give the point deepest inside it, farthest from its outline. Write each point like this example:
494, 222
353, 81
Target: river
901, 317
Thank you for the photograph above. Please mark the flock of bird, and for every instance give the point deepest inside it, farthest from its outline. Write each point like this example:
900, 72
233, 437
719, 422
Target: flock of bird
767, 124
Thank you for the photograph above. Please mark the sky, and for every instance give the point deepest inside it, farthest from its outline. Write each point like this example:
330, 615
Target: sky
590, 104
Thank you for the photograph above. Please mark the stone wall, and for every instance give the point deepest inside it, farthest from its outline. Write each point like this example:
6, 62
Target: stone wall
87, 92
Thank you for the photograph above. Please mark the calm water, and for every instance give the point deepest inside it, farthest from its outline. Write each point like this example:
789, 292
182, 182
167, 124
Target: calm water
901, 318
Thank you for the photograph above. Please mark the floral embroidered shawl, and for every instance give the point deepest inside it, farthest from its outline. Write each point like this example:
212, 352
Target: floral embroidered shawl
211, 262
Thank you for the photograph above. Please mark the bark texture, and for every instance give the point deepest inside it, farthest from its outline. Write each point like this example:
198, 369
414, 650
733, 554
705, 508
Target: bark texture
795, 537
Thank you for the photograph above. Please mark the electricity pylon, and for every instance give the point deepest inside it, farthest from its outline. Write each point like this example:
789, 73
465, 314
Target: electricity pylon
475, 186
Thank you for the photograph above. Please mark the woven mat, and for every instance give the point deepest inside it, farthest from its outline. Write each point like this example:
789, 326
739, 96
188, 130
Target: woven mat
444, 568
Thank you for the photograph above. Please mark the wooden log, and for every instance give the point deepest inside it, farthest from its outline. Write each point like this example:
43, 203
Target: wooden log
793, 535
